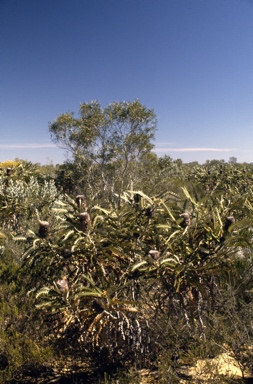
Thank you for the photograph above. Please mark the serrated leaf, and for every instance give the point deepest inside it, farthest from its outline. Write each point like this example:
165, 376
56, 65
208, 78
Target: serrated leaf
42, 291
138, 265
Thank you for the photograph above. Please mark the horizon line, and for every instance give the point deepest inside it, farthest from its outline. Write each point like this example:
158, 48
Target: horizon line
27, 145
158, 149
193, 149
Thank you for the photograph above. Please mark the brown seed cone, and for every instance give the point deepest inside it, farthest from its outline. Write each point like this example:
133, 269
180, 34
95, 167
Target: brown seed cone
8, 171
229, 221
62, 285
84, 219
186, 221
137, 198
154, 254
81, 202
44, 229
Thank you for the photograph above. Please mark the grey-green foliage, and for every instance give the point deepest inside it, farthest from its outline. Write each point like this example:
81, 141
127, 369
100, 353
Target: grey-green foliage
19, 199
22, 198
25, 191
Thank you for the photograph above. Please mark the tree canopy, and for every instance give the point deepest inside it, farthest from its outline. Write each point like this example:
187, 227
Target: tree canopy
103, 140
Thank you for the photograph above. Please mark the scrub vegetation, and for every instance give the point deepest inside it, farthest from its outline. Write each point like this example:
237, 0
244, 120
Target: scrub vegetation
118, 262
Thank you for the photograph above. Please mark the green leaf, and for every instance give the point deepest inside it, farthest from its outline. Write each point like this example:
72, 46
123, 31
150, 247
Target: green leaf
138, 265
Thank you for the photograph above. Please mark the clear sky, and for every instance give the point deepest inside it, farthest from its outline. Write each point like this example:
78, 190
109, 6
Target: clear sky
189, 60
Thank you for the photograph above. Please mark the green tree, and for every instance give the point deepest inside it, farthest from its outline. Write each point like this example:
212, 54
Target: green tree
105, 144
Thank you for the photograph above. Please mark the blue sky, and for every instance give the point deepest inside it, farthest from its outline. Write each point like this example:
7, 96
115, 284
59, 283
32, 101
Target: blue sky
189, 60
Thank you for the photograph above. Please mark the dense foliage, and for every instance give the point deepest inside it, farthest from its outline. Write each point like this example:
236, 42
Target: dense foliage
153, 277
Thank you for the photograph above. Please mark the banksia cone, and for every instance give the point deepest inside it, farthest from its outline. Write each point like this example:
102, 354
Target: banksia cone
229, 221
186, 221
98, 308
84, 219
67, 253
137, 198
62, 285
149, 212
154, 254
81, 202
44, 229
8, 171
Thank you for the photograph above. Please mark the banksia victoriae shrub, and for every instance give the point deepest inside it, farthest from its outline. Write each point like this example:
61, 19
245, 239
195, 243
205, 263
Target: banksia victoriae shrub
125, 289
44, 229
84, 219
